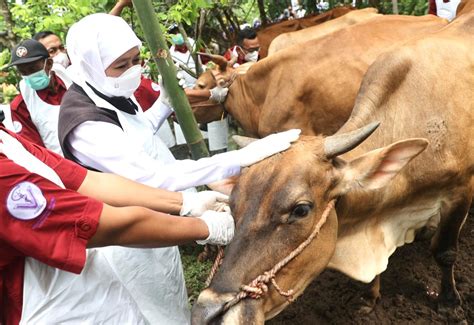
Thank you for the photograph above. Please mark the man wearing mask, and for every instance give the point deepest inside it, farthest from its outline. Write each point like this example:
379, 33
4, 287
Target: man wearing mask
54, 46
35, 111
246, 49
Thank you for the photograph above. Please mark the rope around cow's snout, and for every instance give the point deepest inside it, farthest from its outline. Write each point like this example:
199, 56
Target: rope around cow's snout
259, 286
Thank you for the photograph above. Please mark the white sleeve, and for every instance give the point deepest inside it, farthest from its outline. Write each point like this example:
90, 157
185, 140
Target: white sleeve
105, 147
158, 113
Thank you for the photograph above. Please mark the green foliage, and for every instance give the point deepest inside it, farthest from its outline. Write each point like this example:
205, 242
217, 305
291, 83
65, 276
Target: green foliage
406, 7
195, 272
54, 15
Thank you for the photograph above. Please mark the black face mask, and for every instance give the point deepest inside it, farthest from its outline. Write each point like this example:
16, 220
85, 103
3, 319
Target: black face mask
121, 103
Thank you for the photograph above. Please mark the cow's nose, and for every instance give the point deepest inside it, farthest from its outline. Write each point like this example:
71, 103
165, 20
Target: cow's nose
208, 308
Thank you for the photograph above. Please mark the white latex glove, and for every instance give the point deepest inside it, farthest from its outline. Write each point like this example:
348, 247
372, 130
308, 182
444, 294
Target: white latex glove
181, 79
266, 147
221, 227
195, 204
218, 94
164, 97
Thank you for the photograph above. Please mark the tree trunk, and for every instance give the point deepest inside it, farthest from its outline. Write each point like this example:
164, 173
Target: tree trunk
7, 38
263, 15
395, 7
161, 55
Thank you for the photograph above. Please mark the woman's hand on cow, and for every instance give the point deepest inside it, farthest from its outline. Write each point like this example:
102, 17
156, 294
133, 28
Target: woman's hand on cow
196, 204
266, 147
221, 227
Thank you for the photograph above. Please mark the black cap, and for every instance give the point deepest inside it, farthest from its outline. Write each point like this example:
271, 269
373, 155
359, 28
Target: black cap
28, 51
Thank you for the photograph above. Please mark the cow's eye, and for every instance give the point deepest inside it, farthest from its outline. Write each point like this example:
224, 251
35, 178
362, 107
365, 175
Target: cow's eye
300, 211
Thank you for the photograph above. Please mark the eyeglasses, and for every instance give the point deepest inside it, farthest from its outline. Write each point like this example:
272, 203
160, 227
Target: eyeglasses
54, 50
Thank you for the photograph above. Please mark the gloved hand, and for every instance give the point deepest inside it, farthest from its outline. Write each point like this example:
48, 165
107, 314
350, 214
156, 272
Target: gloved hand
221, 227
164, 97
195, 204
218, 94
181, 79
266, 147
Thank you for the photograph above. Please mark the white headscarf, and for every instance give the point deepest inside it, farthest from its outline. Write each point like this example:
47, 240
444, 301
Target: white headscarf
93, 43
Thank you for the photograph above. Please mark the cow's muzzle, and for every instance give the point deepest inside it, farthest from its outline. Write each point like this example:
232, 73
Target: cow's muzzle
210, 309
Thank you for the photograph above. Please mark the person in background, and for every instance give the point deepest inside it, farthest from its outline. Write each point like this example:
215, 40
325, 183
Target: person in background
247, 47
35, 111
103, 128
54, 46
52, 210
444, 9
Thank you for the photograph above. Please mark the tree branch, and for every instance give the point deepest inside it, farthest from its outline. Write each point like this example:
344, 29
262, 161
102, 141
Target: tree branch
8, 39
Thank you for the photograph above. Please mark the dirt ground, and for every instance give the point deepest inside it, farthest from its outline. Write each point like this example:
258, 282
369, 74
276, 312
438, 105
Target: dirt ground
412, 272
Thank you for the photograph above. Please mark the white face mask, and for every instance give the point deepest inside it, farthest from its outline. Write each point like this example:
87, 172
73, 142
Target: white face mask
126, 84
62, 59
251, 56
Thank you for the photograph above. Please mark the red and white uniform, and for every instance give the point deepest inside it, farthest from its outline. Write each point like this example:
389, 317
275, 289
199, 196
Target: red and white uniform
233, 52
40, 220
30, 122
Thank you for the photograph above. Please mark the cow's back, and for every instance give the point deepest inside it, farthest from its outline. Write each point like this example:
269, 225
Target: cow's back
267, 34
316, 91
425, 89
285, 40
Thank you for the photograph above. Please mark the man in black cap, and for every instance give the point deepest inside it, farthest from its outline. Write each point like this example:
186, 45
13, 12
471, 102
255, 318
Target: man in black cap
35, 110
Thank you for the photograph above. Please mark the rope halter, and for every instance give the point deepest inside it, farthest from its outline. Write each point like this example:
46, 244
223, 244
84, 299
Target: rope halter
259, 286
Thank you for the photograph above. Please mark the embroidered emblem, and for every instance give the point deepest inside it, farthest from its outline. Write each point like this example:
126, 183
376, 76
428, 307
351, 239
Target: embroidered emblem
21, 51
26, 201
17, 127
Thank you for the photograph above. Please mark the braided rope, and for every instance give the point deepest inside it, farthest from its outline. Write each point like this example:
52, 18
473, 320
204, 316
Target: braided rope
217, 262
258, 287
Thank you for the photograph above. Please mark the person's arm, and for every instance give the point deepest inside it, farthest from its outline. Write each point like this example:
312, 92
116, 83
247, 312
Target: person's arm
119, 192
105, 147
141, 227
117, 9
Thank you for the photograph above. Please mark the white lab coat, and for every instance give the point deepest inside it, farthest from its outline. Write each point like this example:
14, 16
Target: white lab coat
44, 115
53, 296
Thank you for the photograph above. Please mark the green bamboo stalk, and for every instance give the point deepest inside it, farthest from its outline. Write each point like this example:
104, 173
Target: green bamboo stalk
161, 55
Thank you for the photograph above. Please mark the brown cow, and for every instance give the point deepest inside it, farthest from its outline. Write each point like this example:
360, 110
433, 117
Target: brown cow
289, 39
465, 6
424, 89
315, 91
267, 34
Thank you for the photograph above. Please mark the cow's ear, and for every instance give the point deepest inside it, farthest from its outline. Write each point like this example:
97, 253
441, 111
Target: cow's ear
376, 168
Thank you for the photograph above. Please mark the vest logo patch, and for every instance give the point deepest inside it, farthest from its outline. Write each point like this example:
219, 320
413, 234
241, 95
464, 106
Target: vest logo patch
17, 127
26, 201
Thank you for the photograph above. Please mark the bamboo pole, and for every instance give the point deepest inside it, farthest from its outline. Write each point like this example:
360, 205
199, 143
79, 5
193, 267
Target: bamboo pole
161, 55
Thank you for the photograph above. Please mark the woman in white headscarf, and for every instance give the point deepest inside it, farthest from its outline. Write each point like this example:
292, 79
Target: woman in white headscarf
102, 127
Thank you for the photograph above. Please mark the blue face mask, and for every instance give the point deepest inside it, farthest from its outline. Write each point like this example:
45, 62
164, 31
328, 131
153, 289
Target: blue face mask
38, 80
177, 39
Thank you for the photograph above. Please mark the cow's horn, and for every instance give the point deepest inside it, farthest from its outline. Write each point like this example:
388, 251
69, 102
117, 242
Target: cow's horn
217, 59
243, 141
338, 144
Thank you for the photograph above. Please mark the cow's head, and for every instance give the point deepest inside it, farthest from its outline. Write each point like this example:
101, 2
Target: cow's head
277, 203
223, 74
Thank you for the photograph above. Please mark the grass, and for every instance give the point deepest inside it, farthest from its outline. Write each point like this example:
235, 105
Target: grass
195, 272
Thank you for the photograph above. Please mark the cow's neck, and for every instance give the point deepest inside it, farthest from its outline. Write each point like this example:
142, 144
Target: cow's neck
244, 102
